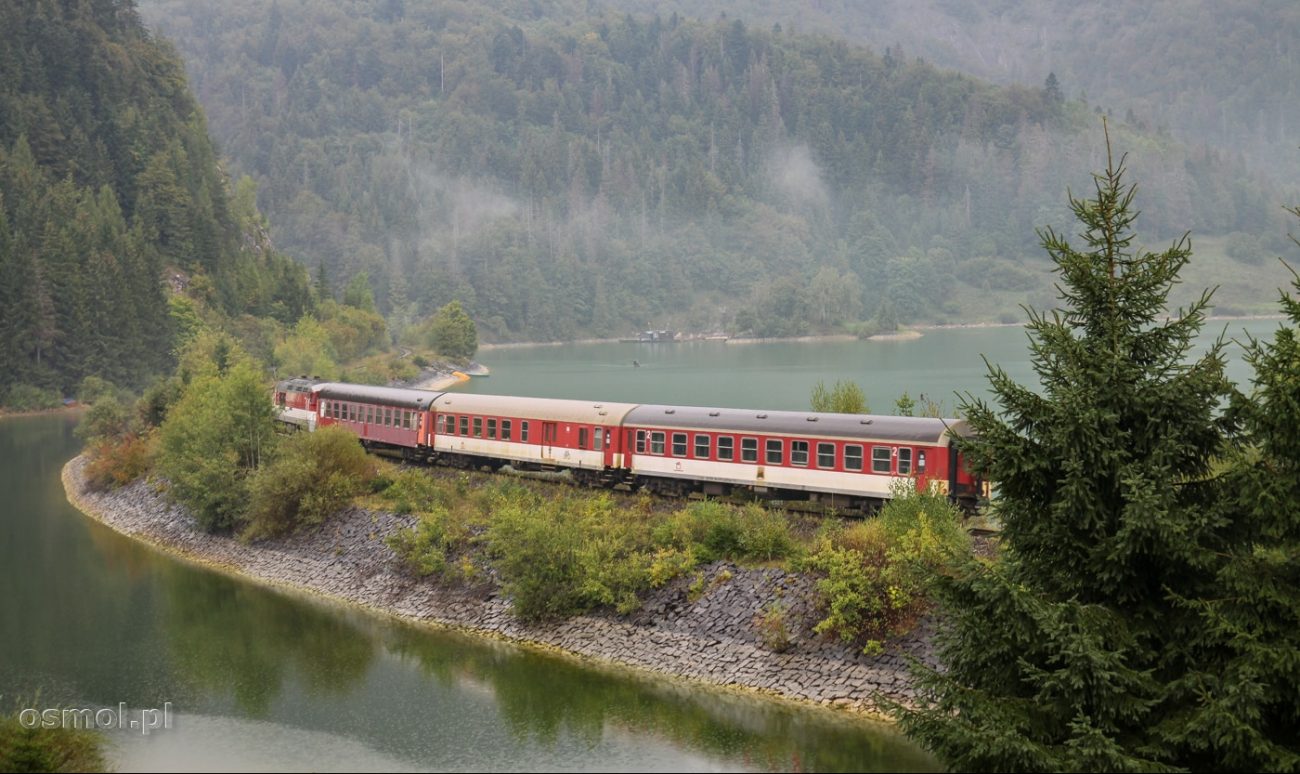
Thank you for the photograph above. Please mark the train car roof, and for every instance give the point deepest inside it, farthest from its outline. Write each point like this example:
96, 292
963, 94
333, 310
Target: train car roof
589, 412
401, 397
864, 427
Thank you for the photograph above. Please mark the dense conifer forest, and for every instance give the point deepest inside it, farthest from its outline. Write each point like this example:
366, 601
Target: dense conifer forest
110, 189
566, 170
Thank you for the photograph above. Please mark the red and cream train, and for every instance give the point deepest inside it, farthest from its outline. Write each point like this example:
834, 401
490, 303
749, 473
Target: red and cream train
847, 461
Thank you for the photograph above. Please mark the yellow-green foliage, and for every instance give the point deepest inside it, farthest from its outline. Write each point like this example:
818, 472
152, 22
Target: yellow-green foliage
874, 573
562, 554
311, 476
49, 749
710, 530
308, 350
216, 435
773, 626
430, 546
353, 332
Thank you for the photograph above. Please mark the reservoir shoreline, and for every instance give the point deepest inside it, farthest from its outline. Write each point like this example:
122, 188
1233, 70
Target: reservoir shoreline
710, 639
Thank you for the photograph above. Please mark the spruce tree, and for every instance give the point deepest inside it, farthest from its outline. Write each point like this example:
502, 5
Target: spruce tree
1061, 654
1242, 703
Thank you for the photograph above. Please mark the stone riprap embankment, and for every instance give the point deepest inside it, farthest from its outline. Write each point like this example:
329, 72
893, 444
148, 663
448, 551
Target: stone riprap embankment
700, 628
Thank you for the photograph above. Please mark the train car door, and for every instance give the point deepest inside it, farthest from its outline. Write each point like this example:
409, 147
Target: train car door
608, 440
548, 440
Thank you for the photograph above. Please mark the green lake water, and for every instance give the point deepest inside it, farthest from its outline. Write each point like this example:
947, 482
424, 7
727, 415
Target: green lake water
781, 374
259, 679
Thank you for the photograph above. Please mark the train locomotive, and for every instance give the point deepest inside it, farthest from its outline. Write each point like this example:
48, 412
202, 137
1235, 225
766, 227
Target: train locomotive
849, 462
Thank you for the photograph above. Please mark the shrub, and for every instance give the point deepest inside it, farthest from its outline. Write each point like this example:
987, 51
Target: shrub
411, 491
764, 534
106, 419
427, 547
568, 553
536, 551
773, 627
92, 389
116, 462
712, 530
26, 397
874, 573
311, 476
49, 749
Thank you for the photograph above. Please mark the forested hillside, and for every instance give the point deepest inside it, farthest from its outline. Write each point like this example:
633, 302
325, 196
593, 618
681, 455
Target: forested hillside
1222, 72
565, 174
109, 188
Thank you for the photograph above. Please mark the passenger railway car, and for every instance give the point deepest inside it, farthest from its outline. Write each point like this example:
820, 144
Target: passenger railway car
851, 462
536, 433
845, 460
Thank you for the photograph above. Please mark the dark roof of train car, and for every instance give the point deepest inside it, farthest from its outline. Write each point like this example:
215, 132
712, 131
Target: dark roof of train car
401, 397
923, 430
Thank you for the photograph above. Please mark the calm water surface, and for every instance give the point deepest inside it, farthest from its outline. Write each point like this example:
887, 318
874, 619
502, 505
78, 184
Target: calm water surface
262, 680
780, 375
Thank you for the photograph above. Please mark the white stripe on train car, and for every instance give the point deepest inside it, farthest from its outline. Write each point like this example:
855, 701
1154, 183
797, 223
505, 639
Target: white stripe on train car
747, 474
521, 452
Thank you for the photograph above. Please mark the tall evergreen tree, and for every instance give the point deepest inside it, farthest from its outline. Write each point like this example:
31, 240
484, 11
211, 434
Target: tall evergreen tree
1241, 707
1061, 655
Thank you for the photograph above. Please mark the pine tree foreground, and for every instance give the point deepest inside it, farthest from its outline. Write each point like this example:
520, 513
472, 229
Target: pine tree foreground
1123, 628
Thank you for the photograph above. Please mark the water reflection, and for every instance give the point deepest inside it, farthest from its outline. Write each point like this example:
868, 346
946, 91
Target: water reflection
543, 699
230, 637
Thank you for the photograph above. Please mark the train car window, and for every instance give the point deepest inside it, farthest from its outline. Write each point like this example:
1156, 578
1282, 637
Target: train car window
352, 412
880, 457
505, 429
478, 427
656, 443
464, 425
825, 455
852, 457
373, 415
774, 451
492, 429
325, 408
749, 450
904, 461
640, 442
388, 417
523, 432
595, 439
798, 452
679, 444
410, 420
702, 447
920, 461
726, 447
582, 437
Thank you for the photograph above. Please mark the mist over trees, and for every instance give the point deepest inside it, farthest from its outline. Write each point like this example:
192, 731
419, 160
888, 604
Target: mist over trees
1218, 72
563, 173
